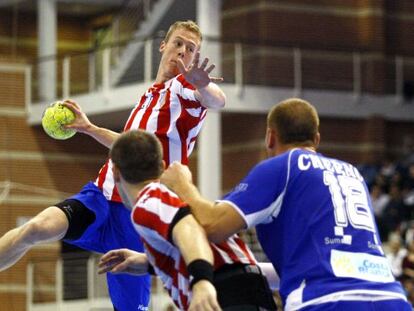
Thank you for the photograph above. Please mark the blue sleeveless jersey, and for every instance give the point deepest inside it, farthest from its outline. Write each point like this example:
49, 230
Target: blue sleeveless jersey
314, 220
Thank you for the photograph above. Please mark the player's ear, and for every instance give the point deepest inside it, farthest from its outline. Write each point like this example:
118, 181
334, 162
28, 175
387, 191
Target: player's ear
317, 140
270, 139
162, 46
164, 166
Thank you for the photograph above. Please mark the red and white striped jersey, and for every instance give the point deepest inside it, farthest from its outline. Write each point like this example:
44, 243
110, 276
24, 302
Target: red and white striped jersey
152, 216
171, 112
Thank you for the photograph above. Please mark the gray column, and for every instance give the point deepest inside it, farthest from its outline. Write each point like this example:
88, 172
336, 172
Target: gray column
47, 29
209, 142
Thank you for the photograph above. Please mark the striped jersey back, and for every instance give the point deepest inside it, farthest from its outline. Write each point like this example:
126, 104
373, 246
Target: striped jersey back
152, 216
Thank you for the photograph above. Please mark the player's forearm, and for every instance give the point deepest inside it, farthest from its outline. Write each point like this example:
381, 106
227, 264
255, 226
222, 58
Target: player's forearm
190, 238
102, 135
201, 208
211, 96
12, 247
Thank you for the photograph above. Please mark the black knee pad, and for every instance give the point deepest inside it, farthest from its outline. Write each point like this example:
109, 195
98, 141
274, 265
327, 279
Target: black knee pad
79, 217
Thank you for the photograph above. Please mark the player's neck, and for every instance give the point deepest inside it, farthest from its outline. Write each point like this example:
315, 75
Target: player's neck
285, 148
131, 192
162, 76
139, 187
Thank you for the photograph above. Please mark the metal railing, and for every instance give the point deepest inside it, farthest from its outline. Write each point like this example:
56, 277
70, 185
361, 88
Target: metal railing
74, 284
243, 64
61, 284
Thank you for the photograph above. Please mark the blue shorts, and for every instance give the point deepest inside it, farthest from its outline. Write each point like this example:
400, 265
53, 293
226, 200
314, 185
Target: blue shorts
382, 305
113, 229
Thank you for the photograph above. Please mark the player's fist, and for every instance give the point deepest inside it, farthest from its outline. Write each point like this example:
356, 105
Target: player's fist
177, 177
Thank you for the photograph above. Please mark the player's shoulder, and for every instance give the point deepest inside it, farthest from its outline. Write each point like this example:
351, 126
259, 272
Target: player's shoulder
181, 81
281, 159
156, 193
271, 168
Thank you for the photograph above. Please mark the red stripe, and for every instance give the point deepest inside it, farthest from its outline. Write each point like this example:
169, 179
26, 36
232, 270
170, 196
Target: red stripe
184, 300
183, 138
246, 252
115, 195
218, 259
188, 103
227, 248
148, 112
102, 174
166, 198
185, 83
166, 264
185, 123
163, 125
203, 114
134, 113
150, 220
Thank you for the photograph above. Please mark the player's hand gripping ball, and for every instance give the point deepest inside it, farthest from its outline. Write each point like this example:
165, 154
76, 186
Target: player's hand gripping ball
54, 118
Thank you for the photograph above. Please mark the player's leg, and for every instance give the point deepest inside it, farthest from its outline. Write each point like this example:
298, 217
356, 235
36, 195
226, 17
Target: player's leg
49, 225
119, 232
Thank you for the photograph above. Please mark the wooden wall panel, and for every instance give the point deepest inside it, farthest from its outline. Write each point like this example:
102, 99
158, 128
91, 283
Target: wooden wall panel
12, 92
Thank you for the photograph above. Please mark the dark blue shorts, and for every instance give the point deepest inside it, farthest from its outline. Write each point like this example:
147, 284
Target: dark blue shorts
113, 229
383, 305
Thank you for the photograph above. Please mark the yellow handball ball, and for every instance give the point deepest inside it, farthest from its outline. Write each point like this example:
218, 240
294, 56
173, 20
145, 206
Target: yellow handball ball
54, 118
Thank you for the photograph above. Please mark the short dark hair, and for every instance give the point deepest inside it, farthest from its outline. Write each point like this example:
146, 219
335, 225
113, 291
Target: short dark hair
138, 156
295, 120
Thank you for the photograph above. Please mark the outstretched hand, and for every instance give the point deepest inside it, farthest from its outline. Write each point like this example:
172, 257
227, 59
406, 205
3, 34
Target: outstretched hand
196, 74
123, 261
81, 123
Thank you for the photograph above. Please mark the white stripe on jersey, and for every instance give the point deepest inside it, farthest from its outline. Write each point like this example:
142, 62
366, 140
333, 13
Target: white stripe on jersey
183, 283
157, 242
238, 251
222, 254
194, 133
109, 183
164, 211
174, 144
140, 113
294, 304
185, 92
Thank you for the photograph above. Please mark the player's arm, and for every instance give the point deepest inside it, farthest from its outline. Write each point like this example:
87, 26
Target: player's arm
124, 261
211, 96
207, 92
219, 220
192, 242
82, 125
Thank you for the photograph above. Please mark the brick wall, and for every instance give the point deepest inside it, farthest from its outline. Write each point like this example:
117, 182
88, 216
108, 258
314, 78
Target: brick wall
380, 29
42, 171
353, 140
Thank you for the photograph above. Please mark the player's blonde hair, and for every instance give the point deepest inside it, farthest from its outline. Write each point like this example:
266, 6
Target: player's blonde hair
188, 25
295, 121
